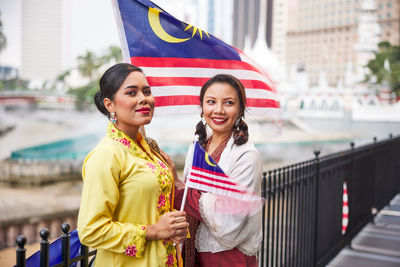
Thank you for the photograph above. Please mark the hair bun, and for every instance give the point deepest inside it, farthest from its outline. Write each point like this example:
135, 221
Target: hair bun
98, 101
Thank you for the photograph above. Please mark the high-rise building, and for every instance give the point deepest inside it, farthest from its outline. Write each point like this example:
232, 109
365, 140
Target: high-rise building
223, 16
323, 36
245, 22
279, 23
41, 39
213, 16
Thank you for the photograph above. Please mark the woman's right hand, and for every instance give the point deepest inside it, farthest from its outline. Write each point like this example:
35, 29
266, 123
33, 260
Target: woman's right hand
170, 225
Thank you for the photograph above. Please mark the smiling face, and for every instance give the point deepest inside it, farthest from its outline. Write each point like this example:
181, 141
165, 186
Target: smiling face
221, 108
133, 104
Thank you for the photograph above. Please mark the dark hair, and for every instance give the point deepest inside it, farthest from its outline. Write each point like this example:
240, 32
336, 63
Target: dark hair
240, 132
110, 82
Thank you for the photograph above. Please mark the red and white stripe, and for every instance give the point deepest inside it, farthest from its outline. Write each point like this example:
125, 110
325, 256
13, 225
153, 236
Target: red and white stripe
217, 183
345, 209
176, 83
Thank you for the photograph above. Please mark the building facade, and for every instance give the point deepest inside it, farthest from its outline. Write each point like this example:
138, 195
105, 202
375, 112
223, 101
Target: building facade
279, 26
42, 39
245, 22
322, 36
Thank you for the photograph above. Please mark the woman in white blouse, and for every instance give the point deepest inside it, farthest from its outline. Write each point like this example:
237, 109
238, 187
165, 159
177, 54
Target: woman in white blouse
224, 239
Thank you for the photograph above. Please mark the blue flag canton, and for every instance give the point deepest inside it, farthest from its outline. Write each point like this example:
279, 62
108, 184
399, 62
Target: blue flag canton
158, 34
202, 160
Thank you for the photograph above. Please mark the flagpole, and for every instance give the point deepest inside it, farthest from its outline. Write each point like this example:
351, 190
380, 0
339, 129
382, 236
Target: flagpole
184, 197
121, 32
186, 182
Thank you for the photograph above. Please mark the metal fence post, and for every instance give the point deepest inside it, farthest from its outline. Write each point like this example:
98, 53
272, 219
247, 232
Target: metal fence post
263, 195
373, 209
44, 247
85, 253
21, 251
268, 223
349, 193
278, 218
65, 249
316, 207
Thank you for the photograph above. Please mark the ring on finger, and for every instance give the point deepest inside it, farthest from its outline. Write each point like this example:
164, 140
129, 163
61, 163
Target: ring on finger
180, 219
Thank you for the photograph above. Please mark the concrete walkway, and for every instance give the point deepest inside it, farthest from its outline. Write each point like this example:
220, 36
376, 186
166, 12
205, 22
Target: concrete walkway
378, 244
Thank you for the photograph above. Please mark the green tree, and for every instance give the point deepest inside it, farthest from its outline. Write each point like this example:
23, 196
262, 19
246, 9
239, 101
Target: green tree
84, 95
14, 84
61, 78
390, 74
113, 55
88, 65
3, 39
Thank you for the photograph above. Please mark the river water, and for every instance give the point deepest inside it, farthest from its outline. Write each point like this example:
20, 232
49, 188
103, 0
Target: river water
278, 145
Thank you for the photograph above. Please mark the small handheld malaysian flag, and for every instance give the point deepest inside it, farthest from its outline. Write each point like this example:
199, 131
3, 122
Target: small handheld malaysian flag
207, 176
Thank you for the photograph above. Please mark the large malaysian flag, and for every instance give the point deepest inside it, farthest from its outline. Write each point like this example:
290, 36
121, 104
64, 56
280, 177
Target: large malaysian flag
179, 58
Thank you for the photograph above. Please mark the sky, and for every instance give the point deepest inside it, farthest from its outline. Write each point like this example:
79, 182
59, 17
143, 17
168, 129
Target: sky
11, 26
90, 25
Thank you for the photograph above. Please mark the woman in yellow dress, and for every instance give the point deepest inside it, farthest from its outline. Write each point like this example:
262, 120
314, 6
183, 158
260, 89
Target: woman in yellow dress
127, 184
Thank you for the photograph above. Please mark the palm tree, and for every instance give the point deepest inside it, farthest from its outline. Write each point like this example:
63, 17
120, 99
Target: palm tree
61, 79
88, 65
113, 55
3, 39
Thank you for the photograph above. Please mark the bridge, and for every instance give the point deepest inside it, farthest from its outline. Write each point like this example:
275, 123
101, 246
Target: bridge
35, 98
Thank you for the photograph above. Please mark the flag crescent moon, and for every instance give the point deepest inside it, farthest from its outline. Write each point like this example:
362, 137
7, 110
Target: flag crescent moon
208, 160
155, 24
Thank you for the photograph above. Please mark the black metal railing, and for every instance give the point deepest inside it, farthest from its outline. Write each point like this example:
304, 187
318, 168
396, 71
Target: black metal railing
304, 201
66, 260
302, 218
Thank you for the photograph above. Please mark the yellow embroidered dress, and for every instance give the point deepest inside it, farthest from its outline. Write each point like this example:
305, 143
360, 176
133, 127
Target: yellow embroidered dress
127, 186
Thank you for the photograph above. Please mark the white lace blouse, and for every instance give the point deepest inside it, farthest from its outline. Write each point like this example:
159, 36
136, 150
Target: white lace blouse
222, 231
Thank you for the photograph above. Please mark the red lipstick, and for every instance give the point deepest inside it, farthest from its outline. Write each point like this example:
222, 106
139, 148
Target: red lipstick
144, 110
219, 120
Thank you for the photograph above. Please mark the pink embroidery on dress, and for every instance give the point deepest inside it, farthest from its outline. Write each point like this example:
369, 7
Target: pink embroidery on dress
170, 260
125, 142
143, 227
151, 165
161, 201
162, 165
131, 251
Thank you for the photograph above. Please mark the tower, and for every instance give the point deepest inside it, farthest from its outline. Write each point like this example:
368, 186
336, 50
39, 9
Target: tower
367, 38
42, 34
